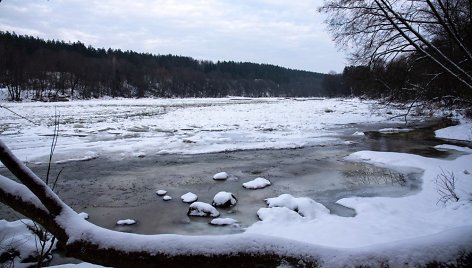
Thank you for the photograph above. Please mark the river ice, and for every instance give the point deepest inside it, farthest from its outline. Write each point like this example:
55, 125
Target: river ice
140, 128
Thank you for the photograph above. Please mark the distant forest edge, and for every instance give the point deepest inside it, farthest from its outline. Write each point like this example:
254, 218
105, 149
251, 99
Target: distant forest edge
46, 69
57, 70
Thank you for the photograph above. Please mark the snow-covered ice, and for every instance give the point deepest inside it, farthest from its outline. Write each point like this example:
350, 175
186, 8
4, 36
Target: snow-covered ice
257, 183
224, 199
161, 192
126, 222
167, 198
189, 197
223, 221
142, 127
220, 176
409, 229
462, 132
378, 220
202, 209
394, 130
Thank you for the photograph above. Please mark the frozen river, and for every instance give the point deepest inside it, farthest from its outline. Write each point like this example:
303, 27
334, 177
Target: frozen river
134, 147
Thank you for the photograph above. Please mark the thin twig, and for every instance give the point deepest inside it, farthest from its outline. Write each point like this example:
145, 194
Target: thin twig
19, 115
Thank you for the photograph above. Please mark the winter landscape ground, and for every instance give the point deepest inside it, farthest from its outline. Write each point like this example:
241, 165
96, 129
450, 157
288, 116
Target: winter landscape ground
407, 223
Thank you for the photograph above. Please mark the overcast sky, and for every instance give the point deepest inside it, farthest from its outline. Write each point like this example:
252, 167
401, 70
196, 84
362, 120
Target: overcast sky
288, 33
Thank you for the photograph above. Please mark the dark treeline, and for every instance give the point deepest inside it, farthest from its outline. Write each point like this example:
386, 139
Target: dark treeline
409, 78
45, 69
412, 50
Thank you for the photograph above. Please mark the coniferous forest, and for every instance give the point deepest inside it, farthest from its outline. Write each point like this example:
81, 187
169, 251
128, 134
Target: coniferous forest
46, 69
57, 70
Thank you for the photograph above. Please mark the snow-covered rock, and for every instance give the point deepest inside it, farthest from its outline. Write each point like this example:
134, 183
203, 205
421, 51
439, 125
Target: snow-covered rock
161, 192
189, 197
167, 198
224, 200
223, 221
221, 176
304, 206
257, 183
84, 215
202, 209
126, 222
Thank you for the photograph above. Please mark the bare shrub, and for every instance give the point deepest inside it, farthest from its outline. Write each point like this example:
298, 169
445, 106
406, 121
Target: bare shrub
446, 187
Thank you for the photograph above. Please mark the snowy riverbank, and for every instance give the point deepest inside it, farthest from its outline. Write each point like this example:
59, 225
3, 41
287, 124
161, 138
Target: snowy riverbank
407, 231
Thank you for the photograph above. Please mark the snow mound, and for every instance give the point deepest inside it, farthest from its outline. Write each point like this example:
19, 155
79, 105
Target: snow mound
126, 222
257, 183
84, 215
221, 176
167, 198
161, 192
203, 210
279, 216
358, 133
223, 221
224, 200
304, 206
189, 197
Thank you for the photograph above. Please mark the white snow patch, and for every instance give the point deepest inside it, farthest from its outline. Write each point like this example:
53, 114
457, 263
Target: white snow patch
88, 156
378, 220
394, 130
461, 132
84, 215
257, 183
161, 192
358, 133
16, 236
167, 198
220, 176
79, 265
223, 221
126, 222
189, 197
453, 147
224, 199
304, 206
202, 209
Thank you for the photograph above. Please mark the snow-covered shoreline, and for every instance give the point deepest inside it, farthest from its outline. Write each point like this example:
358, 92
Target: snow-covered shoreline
403, 231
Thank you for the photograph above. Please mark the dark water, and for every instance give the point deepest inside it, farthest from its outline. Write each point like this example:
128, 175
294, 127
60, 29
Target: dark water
110, 190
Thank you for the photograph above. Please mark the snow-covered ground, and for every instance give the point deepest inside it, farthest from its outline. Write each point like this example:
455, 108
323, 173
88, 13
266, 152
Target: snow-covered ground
138, 127
401, 231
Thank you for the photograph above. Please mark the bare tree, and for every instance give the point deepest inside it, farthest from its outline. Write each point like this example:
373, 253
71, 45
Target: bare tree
439, 30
